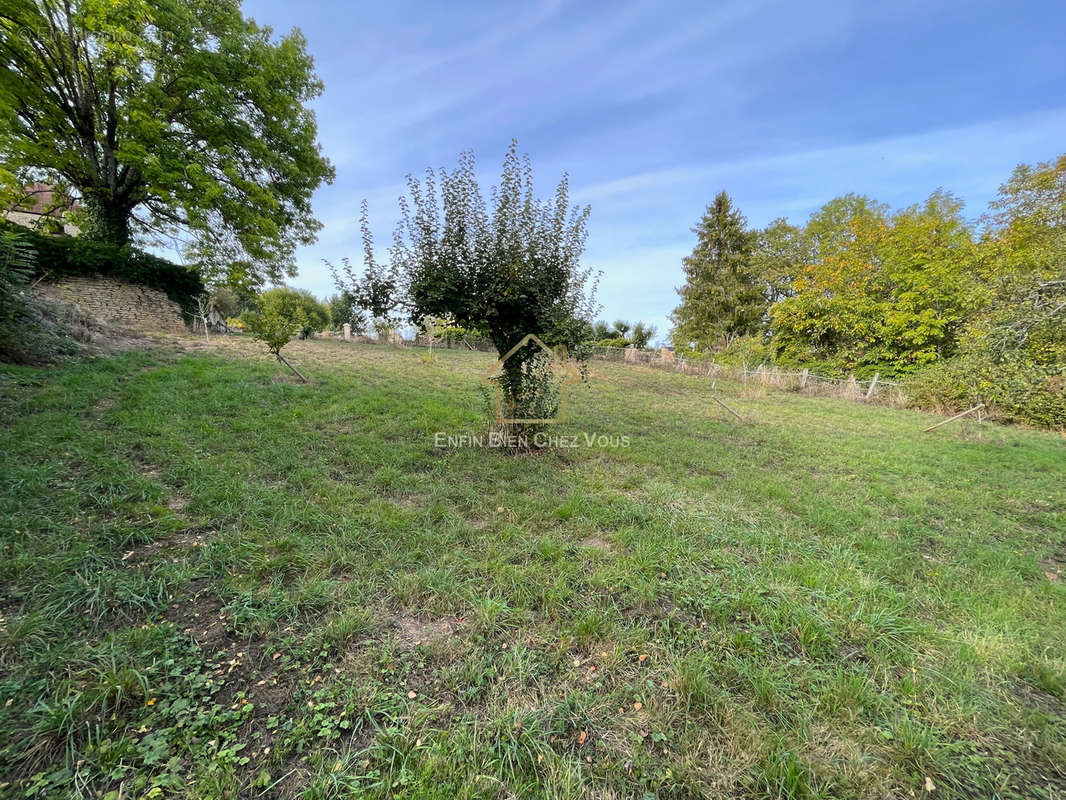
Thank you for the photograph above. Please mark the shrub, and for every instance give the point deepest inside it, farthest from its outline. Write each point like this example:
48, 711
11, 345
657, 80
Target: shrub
18, 261
538, 395
316, 314
509, 263
279, 316
750, 350
1015, 390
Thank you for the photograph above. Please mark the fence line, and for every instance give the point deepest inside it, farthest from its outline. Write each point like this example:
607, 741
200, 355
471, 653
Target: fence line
873, 390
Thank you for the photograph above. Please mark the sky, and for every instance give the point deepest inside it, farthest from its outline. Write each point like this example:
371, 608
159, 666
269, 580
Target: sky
654, 107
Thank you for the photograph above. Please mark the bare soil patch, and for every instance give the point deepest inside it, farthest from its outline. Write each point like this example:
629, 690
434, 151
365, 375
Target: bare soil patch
170, 546
1054, 566
198, 612
412, 631
177, 503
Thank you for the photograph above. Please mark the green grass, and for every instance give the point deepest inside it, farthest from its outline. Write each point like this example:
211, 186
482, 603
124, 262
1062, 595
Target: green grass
214, 581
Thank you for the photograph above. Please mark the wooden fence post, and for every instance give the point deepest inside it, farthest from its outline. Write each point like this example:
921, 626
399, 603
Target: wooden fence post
803, 378
873, 385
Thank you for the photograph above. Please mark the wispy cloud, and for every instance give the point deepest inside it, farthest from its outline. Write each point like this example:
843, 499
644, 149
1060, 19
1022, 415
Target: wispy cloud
653, 107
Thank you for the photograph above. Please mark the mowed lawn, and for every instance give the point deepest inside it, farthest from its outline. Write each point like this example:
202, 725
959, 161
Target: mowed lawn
217, 583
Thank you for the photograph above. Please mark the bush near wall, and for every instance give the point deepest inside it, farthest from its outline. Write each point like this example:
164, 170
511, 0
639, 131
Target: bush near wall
66, 255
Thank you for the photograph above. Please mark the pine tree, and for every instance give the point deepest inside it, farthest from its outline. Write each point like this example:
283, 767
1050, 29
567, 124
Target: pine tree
722, 297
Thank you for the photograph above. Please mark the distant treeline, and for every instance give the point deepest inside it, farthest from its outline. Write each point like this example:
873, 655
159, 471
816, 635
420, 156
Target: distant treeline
965, 313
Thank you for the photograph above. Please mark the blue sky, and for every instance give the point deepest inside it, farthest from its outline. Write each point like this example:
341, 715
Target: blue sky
654, 107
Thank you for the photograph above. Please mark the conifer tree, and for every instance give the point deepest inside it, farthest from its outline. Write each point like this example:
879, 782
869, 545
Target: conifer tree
722, 297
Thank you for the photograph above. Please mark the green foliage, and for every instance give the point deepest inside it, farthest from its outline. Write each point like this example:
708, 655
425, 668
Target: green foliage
1028, 223
1014, 389
533, 393
172, 117
316, 313
281, 569
1013, 348
230, 301
18, 261
863, 289
747, 350
642, 335
376, 293
513, 268
781, 252
64, 255
722, 297
343, 308
283, 313
883, 292
37, 331
53, 203
622, 334
1026, 268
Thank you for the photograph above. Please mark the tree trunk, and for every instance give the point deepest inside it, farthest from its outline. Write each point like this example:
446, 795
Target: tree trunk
109, 220
511, 384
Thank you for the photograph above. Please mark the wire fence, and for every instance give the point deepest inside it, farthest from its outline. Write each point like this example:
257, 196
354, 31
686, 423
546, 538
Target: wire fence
804, 381
874, 390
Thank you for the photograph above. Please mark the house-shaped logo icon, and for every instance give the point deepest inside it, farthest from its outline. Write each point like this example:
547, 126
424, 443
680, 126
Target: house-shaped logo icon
560, 361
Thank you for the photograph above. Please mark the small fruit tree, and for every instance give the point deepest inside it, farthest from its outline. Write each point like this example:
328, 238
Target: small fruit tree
280, 315
510, 265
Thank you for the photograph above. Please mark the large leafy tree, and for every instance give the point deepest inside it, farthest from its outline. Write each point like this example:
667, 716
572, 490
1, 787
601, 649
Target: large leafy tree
1026, 245
1024, 319
1013, 347
722, 297
170, 118
882, 291
781, 252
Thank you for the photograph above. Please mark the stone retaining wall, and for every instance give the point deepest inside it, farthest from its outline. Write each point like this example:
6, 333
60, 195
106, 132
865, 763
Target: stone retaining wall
124, 305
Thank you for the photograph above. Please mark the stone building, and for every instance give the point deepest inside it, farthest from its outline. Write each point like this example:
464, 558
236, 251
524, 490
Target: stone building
42, 209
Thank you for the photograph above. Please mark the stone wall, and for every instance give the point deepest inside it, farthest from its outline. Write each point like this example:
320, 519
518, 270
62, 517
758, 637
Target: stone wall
124, 305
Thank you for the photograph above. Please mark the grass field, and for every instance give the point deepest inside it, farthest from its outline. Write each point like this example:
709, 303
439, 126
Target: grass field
216, 583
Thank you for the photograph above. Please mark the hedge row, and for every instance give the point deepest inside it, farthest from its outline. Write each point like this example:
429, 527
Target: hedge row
65, 255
